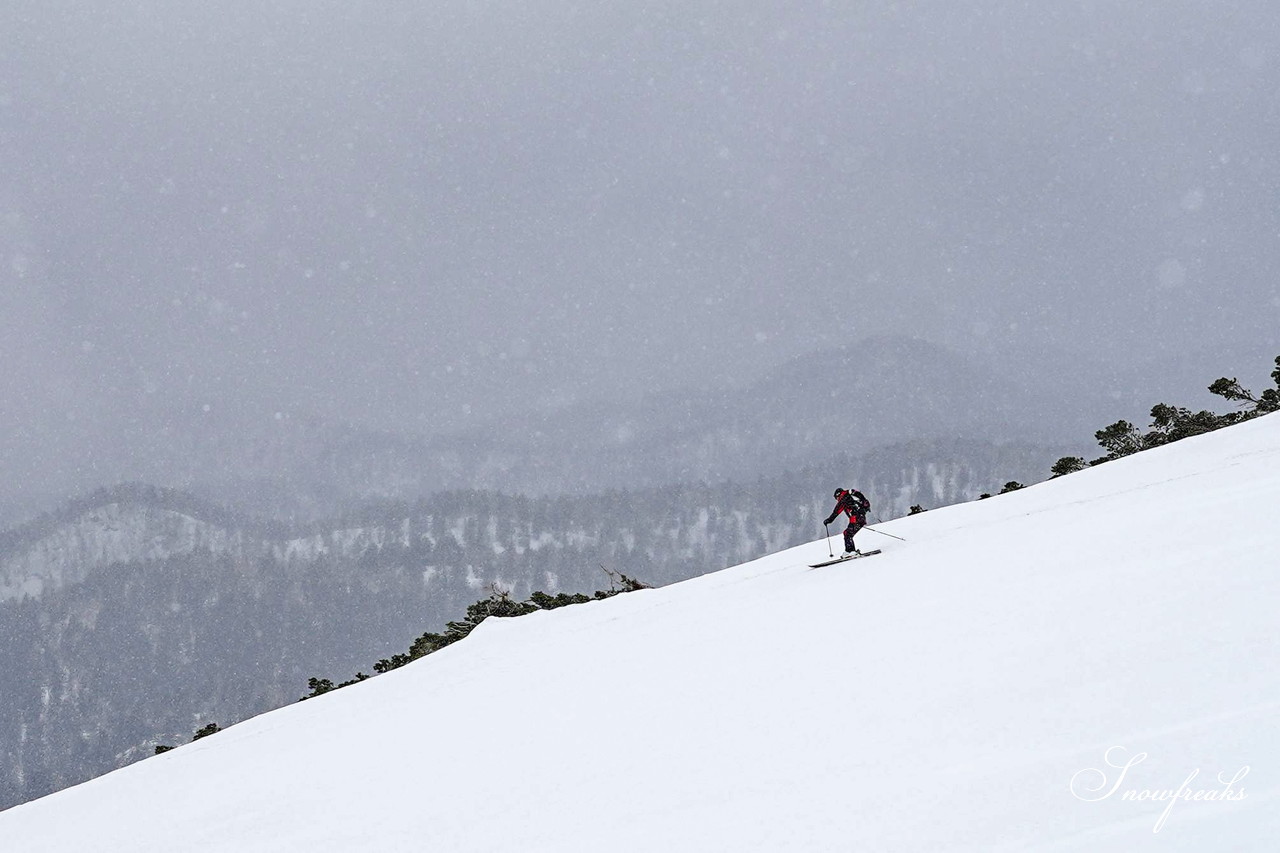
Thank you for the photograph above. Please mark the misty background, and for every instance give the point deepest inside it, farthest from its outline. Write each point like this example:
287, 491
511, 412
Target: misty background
237, 237
320, 321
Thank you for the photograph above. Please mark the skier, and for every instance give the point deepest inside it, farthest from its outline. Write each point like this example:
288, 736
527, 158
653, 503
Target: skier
854, 503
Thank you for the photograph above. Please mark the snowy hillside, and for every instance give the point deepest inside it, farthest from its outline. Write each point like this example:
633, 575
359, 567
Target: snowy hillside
963, 691
116, 609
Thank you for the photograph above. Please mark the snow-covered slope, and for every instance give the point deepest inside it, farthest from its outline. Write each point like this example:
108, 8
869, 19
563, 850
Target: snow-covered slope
963, 691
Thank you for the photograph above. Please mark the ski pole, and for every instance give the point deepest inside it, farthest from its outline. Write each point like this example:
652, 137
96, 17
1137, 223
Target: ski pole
830, 553
881, 521
882, 533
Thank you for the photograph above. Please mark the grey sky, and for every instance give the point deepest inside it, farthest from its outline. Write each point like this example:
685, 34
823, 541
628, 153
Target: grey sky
417, 215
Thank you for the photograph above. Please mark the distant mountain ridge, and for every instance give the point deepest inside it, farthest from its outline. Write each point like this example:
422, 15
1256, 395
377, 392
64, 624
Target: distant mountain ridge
881, 392
853, 399
134, 522
125, 523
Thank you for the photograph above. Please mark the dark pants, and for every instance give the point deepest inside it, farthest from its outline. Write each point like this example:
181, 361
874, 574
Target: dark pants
855, 524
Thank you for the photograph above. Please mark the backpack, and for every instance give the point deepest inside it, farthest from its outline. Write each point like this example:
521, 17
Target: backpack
860, 501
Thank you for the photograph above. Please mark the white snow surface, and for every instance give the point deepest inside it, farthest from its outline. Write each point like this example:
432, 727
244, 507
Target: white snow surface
960, 692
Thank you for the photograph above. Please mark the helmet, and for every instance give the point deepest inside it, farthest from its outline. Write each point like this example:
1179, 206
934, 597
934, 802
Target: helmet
839, 492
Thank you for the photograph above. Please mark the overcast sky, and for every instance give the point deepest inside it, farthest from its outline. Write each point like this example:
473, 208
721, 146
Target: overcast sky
415, 215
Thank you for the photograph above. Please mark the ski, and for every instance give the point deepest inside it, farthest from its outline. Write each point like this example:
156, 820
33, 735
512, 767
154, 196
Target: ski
845, 558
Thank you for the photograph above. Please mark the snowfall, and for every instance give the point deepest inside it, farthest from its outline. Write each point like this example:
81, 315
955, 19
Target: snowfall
1086, 664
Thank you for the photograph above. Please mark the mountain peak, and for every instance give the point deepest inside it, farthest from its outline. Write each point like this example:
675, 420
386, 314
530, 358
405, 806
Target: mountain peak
132, 521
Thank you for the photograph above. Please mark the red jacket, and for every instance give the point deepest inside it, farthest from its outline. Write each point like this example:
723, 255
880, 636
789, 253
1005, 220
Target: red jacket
854, 503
